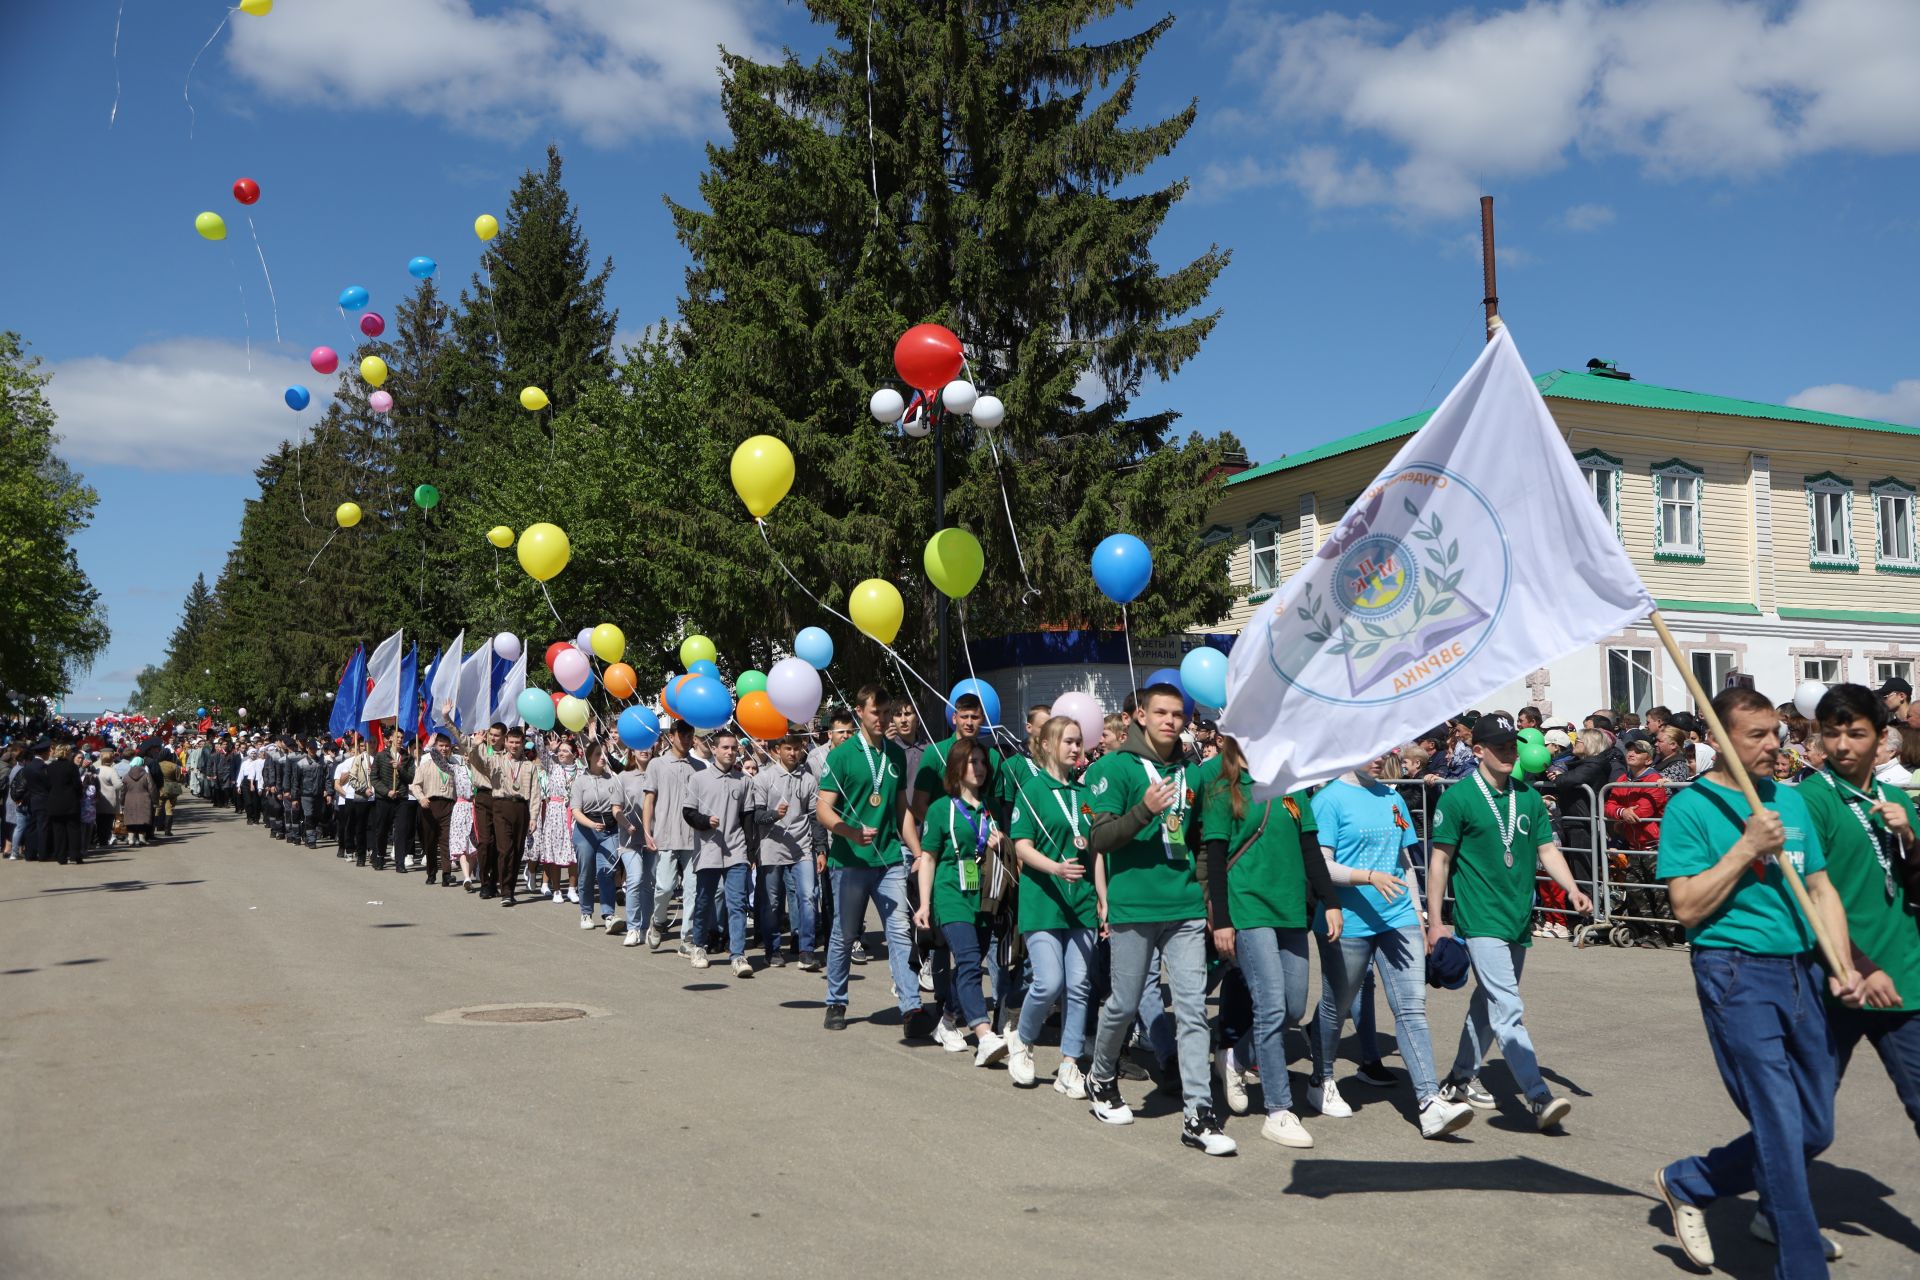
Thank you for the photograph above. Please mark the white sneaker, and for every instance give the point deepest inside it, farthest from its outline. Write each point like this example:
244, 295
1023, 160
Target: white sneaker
573, 895
559, 895
1439, 1117
1548, 1112
698, 957
1324, 1096
633, 939
1761, 1229
1233, 1082
1069, 1079
948, 1037
1689, 1225
1107, 1105
586, 922
1019, 1059
1202, 1132
613, 924
992, 1049
654, 937
926, 974
1285, 1128
742, 967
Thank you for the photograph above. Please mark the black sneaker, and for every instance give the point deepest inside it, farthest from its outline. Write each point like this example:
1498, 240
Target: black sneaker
836, 1017
488, 891
918, 1024
1202, 1131
1104, 1101
1376, 1074
778, 960
1131, 1070
809, 962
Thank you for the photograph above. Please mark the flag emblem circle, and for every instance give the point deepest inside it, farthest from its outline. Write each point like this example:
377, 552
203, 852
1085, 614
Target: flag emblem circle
1377, 577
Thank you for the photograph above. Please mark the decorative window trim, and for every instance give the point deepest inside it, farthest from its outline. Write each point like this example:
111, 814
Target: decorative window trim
1265, 523
1215, 534
1601, 460
1892, 488
1697, 553
1848, 559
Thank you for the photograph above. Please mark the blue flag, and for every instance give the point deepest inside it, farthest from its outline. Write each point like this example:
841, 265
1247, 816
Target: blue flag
433, 669
408, 721
350, 697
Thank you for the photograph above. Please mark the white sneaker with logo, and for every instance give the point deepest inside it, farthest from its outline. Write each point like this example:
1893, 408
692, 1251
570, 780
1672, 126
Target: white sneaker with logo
1324, 1096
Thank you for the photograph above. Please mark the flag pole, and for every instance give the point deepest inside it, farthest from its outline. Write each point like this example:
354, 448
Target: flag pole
1836, 964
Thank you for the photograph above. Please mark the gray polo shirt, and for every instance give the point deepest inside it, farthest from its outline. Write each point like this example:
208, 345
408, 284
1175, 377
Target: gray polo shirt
594, 796
793, 837
631, 796
724, 796
669, 779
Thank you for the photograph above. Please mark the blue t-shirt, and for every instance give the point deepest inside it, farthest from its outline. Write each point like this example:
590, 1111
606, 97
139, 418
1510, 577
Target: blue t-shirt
1366, 827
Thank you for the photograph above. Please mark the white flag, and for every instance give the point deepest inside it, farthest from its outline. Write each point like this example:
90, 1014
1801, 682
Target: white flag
506, 707
475, 699
444, 693
383, 668
1477, 556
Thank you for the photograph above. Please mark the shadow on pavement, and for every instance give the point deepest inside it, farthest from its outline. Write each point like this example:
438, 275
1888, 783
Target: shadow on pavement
109, 886
1318, 1179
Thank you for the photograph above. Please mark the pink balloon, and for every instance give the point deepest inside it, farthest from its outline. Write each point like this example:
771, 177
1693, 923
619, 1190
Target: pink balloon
373, 324
571, 669
380, 402
323, 360
1082, 707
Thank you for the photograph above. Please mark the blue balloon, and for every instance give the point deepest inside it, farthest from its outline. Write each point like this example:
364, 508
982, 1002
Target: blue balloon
352, 298
704, 667
422, 268
1167, 675
1203, 674
1121, 567
814, 647
202, 711
639, 728
703, 703
989, 700
586, 687
535, 707
298, 397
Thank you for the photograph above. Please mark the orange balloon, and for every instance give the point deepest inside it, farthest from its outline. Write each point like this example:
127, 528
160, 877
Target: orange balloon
758, 716
620, 680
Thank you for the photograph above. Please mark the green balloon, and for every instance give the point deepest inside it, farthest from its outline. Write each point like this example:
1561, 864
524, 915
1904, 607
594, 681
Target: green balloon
1534, 757
750, 682
954, 562
426, 496
1533, 735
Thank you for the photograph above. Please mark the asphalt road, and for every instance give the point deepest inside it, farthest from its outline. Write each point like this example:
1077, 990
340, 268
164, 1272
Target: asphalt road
216, 1060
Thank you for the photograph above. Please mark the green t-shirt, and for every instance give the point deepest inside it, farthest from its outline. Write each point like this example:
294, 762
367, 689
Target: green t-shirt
1050, 814
1759, 917
849, 775
1490, 898
1199, 778
1267, 887
951, 837
1875, 899
932, 774
1150, 878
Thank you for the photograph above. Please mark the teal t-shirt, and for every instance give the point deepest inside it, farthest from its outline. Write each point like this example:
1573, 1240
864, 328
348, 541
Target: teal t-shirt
1150, 878
1759, 917
849, 774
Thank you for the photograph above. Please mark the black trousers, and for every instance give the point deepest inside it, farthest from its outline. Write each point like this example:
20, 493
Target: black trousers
482, 833
353, 827
385, 810
501, 869
66, 840
251, 794
431, 823
37, 848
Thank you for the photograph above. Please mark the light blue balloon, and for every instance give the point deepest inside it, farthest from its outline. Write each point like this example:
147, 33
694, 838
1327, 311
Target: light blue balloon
422, 268
298, 397
704, 667
989, 700
703, 703
1122, 566
1203, 674
352, 298
814, 647
536, 708
638, 727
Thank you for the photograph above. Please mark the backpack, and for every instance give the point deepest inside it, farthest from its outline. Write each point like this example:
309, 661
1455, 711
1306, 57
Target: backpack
17, 787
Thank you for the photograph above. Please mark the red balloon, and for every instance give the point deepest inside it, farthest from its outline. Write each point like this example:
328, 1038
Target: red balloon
246, 191
557, 695
928, 357
555, 649
373, 324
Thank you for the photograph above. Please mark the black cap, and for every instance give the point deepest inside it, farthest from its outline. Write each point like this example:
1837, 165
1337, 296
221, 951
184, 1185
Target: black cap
1495, 730
1896, 685
1636, 741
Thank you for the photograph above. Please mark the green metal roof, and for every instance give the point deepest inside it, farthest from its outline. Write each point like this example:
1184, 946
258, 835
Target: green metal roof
1575, 384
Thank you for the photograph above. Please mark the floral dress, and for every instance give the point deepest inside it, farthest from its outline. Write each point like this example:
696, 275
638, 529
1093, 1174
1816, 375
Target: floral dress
552, 845
460, 834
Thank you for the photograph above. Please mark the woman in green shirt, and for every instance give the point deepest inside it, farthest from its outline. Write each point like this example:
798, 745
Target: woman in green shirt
1058, 915
956, 842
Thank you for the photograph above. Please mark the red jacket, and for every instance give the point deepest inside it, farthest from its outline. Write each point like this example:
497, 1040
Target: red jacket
1645, 797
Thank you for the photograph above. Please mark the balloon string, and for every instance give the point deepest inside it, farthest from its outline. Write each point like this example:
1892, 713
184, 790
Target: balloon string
999, 731
114, 114
300, 483
1126, 633
803, 586
271, 296
873, 155
245, 319
316, 555
907, 687
1006, 503
836, 689
550, 608
188, 82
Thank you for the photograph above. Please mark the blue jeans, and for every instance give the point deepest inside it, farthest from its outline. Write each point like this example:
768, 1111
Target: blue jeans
707, 885
596, 852
1182, 945
1894, 1036
1775, 1051
676, 862
886, 888
956, 973
1403, 971
1062, 965
1496, 1011
790, 889
639, 864
1274, 963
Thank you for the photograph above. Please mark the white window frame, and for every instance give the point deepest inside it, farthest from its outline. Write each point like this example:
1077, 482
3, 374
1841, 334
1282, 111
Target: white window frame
1885, 669
1675, 469
1601, 471
1719, 664
1815, 667
1263, 538
1639, 667
1887, 491
1830, 505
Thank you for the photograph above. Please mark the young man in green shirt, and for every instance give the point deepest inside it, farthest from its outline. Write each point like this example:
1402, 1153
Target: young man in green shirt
1149, 896
1758, 983
1489, 833
863, 806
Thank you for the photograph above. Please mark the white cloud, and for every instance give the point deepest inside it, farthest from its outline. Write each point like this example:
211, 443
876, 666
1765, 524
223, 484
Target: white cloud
1901, 404
1690, 87
187, 404
612, 69
1587, 217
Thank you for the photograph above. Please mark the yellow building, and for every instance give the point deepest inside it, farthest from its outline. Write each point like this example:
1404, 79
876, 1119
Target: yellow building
1779, 542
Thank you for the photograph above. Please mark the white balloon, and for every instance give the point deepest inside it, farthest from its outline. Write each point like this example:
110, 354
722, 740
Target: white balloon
793, 686
989, 412
886, 406
571, 669
960, 396
1807, 697
584, 640
507, 645
916, 427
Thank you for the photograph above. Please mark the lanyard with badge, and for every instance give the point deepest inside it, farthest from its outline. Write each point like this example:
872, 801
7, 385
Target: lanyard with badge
1072, 816
1506, 829
969, 867
1878, 836
874, 771
1176, 812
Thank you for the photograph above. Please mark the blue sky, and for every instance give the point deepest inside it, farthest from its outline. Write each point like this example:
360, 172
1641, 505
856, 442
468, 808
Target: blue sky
1720, 195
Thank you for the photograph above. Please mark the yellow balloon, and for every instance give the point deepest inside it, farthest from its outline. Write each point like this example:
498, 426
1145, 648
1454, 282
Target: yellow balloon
572, 712
762, 473
346, 515
211, 225
544, 550
258, 8
697, 649
609, 642
954, 562
876, 608
500, 536
533, 399
486, 226
374, 370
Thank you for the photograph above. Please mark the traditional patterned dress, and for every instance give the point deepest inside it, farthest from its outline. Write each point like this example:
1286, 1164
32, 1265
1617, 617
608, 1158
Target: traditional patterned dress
552, 845
460, 834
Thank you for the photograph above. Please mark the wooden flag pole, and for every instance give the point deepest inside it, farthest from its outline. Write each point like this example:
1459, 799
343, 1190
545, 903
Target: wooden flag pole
1837, 965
